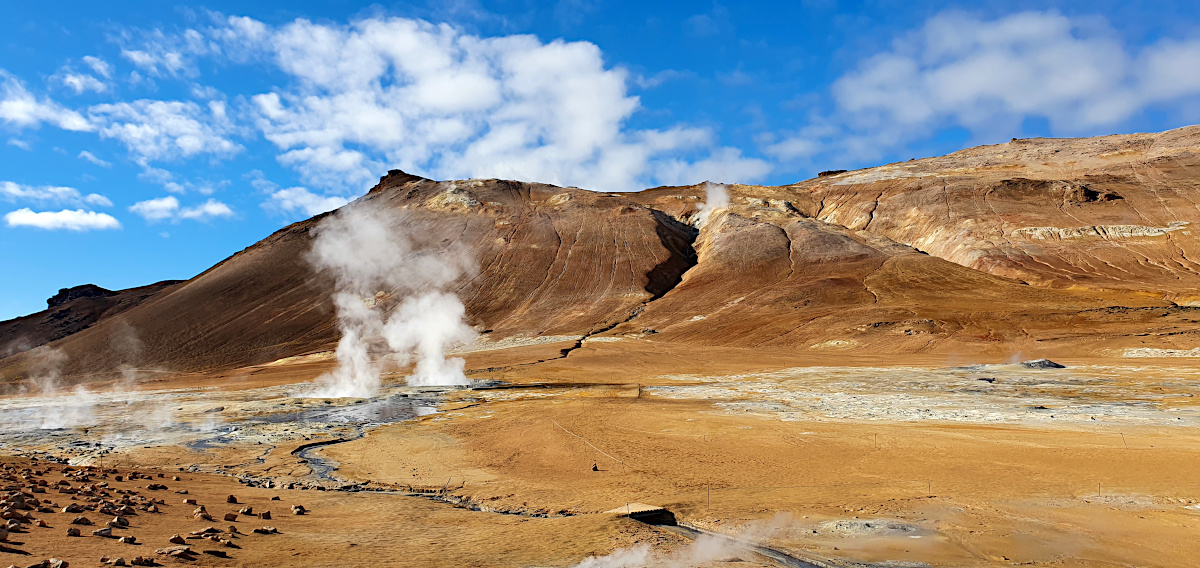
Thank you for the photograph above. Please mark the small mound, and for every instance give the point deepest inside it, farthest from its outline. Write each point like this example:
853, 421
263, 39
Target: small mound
1042, 364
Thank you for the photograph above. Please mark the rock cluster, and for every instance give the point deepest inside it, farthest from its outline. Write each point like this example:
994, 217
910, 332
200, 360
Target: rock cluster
27, 489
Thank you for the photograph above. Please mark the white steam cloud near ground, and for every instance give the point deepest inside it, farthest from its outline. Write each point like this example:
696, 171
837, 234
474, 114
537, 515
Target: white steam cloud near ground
715, 197
705, 549
52, 405
378, 262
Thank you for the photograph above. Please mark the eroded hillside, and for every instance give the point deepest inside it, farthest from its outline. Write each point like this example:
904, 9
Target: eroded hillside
1042, 246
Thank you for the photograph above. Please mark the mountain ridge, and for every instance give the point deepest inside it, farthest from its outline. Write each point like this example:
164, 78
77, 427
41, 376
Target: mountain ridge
1004, 247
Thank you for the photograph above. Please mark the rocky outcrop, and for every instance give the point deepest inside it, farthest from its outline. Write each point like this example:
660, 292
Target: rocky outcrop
65, 295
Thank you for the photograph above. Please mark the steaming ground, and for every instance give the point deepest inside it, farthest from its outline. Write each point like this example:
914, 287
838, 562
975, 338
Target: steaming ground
981, 465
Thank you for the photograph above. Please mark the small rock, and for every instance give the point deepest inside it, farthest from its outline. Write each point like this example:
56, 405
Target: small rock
231, 517
72, 532
298, 510
176, 478
105, 532
128, 539
265, 515
174, 550
275, 498
81, 521
266, 530
176, 539
231, 499
3, 535
246, 511
189, 501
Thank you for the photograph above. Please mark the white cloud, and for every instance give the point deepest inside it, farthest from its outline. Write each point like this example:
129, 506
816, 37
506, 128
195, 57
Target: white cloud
21, 108
99, 66
14, 192
383, 93
299, 199
989, 76
157, 209
20, 144
207, 210
80, 82
85, 155
166, 130
72, 220
168, 208
167, 55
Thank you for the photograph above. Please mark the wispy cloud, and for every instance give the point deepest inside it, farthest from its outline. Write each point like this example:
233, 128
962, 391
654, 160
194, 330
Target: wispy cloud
989, 76
166, 130
90, 157
168, 208
20, 108
17, 193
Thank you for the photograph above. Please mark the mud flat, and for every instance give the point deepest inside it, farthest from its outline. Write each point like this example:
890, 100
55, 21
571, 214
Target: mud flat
967, 465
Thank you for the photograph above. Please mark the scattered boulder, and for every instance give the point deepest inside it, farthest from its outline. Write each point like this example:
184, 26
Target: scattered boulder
3, 535
73, 508
265, 515
175, 551
176, 539
51, 563
113, 561
246, 511
267, 530
231, 500
231, 517
81, 520
298, 510
128, 539
73, 532
105, 532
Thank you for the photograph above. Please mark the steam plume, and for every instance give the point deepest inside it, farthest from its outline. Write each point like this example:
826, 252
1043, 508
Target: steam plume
378, 260
715, 197
705, 549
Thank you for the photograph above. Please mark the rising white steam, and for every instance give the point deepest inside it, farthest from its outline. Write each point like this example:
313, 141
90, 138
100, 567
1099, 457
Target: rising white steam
702, 551
715, 197
392, 285
61, 410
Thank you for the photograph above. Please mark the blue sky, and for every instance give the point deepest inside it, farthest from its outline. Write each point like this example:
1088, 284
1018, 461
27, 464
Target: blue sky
142, 141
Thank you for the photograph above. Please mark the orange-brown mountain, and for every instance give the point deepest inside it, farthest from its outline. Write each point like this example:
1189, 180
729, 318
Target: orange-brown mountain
1071, 247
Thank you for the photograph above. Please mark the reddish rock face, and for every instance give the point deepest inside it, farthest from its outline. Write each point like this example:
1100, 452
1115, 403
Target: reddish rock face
1075, 245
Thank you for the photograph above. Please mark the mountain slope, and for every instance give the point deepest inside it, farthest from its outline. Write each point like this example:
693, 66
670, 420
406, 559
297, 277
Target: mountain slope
1049, 246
